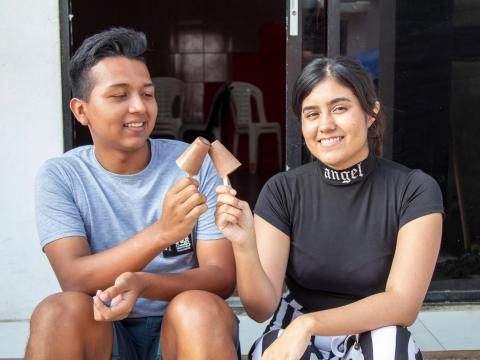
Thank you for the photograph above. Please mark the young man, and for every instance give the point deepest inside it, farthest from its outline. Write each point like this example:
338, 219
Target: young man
121, 216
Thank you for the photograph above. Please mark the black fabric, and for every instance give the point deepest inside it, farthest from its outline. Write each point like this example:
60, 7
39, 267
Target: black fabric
401, 346
367, 345
268, 339
343, 235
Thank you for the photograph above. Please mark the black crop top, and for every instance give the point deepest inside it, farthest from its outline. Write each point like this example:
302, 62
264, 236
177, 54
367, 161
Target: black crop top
343, 225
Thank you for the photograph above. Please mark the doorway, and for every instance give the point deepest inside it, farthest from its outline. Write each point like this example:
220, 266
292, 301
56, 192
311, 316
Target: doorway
424, 58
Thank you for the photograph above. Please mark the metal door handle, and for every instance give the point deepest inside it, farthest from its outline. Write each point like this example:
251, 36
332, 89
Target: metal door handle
293, 18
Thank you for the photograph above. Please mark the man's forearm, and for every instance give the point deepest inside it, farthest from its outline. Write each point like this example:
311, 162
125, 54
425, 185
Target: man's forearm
210, 278
97, 271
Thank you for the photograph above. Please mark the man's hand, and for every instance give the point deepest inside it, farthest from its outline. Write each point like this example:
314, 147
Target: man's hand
182, 206
122, 295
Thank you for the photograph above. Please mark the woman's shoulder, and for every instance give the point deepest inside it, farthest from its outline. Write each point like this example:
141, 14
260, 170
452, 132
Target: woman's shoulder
291, 176
404, 175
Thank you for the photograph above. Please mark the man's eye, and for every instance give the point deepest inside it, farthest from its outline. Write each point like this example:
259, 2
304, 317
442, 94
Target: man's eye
148, 94
119, 95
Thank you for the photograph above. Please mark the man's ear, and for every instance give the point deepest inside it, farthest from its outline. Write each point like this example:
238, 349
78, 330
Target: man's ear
78, 109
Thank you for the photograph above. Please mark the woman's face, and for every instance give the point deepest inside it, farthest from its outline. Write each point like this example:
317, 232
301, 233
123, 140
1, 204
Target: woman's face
334, 125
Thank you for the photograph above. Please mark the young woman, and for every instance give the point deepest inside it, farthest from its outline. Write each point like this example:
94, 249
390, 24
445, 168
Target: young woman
355, 237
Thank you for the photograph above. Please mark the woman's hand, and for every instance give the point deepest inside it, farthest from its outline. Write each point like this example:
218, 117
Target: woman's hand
234, 217
123, 295
291, 344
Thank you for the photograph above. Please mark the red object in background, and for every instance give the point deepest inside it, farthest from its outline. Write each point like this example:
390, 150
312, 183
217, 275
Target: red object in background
265, 69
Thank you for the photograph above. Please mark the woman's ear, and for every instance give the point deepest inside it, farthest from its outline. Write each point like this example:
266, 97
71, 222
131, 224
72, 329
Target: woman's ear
376, 109
77, 106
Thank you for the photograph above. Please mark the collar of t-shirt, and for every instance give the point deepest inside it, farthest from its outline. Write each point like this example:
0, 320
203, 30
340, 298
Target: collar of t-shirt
352, 175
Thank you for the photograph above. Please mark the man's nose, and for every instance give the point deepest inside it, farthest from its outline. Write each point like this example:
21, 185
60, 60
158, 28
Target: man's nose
137, 104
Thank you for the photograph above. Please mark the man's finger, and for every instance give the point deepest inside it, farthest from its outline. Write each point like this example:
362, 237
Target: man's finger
193, 201
182, 184
98, 309
113, 291
183, 195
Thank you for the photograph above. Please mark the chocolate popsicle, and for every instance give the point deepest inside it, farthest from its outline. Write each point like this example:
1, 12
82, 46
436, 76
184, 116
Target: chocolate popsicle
224, 161
192, 158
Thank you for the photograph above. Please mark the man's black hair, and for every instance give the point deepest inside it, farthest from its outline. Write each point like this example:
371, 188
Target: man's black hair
110, 43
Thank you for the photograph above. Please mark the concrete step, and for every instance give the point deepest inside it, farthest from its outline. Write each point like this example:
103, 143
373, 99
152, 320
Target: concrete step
442, 332
427, 355
442, 355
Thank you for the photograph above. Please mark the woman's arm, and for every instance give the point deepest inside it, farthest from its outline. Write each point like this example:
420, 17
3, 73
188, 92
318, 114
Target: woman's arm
418, 244
261, 254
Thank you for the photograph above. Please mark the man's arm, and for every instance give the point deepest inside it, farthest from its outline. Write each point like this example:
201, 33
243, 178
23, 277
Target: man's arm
216, 273
79, 270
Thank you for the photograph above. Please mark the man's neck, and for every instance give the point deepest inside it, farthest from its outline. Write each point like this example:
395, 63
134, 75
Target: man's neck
124, 163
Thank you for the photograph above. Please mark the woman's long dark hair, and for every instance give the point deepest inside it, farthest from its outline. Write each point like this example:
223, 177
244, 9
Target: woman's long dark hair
351, 74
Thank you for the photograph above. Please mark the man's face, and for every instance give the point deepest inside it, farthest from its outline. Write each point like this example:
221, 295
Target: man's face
121, 109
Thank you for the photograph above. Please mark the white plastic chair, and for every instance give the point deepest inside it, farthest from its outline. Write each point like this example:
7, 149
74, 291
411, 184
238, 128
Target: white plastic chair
170, 96
241, 106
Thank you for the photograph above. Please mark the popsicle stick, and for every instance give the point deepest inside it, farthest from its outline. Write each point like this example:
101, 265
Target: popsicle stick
226, 181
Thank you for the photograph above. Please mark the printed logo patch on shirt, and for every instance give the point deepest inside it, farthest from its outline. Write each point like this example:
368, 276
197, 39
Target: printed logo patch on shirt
180, 248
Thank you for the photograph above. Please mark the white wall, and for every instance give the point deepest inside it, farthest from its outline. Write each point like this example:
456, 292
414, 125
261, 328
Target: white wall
30, 132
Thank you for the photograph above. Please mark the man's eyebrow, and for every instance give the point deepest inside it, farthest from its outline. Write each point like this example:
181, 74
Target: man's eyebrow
123, 85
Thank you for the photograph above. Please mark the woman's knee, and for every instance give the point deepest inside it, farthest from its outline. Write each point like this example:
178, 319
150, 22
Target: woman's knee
389, 342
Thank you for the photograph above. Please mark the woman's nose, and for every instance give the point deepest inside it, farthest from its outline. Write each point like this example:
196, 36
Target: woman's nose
326, 123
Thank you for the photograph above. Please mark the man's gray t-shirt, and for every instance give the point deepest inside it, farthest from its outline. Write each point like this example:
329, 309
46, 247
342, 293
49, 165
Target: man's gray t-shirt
76, 196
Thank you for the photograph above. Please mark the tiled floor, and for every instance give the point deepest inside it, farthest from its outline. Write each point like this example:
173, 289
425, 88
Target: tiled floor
438, 328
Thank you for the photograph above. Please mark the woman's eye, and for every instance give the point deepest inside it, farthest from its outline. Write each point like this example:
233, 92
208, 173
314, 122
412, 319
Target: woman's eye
148, 94
338, 109
312, 114
119, 95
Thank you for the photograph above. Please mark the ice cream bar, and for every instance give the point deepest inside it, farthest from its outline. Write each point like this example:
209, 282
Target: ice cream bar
224, 161
192, 158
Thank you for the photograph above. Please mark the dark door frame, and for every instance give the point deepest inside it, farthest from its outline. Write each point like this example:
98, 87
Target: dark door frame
292, 69
65, 39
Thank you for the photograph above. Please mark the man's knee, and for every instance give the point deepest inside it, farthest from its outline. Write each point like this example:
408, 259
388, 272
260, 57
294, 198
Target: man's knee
197, 308
68, 318
62, 308
205, 319
201, 310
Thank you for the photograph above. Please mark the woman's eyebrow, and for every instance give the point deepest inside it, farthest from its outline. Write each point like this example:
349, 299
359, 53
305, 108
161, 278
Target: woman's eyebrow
339, 99
330, 103
312, 107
